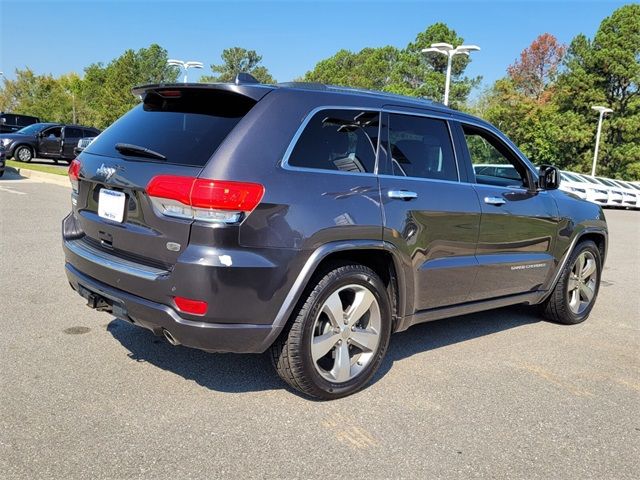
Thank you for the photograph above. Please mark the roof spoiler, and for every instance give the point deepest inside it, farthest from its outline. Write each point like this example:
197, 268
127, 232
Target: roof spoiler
255, 91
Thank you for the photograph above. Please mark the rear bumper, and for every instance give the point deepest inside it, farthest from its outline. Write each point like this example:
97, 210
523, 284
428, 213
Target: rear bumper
211, 337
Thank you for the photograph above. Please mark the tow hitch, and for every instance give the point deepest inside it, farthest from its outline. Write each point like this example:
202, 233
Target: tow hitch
99, 303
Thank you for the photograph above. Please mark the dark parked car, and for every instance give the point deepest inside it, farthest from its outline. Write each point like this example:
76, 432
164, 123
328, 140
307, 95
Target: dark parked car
11, 122
82, 144
315, 221
3, 158
45, 140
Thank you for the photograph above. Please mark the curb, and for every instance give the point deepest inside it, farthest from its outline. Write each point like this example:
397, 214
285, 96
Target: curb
41, 176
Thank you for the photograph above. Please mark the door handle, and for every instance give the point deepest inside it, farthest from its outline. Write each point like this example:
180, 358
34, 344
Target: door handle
402, 194
497, 201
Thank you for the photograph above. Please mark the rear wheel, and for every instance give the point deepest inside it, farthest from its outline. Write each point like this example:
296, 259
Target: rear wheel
575, 293
23, 154
339, 335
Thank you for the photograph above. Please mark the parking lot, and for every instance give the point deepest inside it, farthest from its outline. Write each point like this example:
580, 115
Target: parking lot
498, 394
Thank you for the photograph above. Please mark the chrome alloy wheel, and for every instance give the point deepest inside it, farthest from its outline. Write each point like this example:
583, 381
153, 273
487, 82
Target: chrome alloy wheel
582, 283
346, 333
24, 154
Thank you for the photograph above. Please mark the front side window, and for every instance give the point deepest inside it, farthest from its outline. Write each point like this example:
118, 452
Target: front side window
341, 140
53, 133
493, 162
421, 147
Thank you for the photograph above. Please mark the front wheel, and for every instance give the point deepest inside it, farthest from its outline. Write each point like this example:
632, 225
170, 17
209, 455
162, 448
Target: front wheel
23, 154
575, 293
339, 335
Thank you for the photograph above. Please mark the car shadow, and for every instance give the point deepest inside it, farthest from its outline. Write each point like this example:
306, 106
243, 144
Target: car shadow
236, 373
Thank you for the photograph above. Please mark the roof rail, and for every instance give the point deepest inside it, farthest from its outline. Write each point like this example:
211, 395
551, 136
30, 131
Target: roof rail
244, 77
307, 85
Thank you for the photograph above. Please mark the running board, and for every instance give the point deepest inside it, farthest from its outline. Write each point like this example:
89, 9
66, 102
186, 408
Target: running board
423, 316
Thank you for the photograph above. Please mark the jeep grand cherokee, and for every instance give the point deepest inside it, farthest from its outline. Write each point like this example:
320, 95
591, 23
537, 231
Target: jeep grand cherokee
315, 221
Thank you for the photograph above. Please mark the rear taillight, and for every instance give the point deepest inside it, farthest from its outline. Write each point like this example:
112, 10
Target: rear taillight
187, 305
74, 174
217, 201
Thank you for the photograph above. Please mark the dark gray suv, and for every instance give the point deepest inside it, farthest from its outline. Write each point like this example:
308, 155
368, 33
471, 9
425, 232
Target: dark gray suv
315, 221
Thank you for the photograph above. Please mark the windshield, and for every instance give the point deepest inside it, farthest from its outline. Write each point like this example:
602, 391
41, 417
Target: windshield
573, 178
31, 129
607, 182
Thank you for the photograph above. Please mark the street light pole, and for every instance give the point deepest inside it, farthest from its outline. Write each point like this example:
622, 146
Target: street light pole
448, 50
603, 111
185, 65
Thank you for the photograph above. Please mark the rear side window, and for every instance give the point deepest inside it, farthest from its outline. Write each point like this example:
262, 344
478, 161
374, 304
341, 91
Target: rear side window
342, 140
70, 132
186, 126
421, 147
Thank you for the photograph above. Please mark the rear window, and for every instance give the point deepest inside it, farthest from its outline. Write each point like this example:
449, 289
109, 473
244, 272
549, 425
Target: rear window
186, 126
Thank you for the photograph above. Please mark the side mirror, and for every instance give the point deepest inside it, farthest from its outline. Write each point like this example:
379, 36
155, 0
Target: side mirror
548, 177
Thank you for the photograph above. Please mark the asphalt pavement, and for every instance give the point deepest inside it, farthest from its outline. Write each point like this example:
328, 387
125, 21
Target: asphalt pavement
499, 394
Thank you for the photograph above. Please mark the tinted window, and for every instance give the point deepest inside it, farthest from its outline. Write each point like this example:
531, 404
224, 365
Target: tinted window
70, 132
344, 140
421, 147
55, 132
493, 162
186, 126
24, 121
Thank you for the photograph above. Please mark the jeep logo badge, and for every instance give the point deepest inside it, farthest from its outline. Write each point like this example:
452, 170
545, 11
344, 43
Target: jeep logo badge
105, 172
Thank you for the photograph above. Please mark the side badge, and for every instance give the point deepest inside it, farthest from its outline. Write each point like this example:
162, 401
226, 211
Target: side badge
173, 246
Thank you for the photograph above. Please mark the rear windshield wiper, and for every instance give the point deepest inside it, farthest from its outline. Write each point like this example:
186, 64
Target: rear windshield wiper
137, 151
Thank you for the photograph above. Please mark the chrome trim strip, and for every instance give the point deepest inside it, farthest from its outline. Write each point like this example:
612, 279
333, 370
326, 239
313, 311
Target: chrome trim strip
284, 163
104, 259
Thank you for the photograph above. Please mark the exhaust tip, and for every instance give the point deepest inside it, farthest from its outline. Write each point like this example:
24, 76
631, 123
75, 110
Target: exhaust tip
170, 338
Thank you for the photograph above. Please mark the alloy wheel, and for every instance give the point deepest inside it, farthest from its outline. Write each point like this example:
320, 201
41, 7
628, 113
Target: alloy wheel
582, 283
346, 333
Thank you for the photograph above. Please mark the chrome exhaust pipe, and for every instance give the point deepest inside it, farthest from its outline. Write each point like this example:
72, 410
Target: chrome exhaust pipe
170, 338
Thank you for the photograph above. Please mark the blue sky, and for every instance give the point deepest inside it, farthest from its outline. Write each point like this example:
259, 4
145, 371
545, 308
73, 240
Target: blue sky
62, 36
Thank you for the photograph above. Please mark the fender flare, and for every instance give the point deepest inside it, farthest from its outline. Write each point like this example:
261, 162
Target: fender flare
567, 254
310, 266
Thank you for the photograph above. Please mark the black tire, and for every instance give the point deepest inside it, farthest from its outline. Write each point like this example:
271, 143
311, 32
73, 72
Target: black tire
556, 306
291, 353
23, 153
1, 173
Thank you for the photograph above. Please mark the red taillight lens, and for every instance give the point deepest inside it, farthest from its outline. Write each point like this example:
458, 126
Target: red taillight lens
171, 187
194, 307
74, 170
210, 200
223, 195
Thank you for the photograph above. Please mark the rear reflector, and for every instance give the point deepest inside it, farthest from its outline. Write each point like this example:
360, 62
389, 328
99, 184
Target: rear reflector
193, 307
203, 199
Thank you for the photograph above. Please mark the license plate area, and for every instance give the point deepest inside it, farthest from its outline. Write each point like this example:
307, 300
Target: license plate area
111, 205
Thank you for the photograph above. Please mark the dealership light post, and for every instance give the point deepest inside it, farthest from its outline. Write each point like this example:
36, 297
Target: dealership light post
603, 111
448, 50
185, 65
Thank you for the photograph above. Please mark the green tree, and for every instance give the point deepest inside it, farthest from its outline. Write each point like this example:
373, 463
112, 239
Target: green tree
239, 60
405, 71
605, 71
549, 115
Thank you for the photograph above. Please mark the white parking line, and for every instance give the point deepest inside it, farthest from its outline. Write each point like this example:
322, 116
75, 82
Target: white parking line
11, 190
